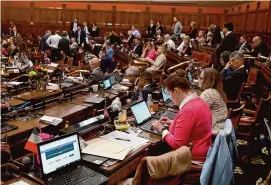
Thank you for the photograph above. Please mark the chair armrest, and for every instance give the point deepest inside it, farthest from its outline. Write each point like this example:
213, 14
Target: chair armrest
247, 111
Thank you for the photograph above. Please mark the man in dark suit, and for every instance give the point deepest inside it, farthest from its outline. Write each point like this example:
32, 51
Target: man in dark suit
145, 86
151, 30
243, 45
259, 48
64, 44
97, 74
216, 34
138, 47
80, 36
228, 43
130, 38
159, 27
73, 27
43, 44
232, 82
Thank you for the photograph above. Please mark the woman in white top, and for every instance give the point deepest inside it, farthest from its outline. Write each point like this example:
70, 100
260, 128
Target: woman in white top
214, 96
160, 59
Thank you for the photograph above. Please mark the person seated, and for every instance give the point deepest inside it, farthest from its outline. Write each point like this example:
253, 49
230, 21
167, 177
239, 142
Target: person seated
209, 38
233, 81
193, 32
13, 51
109, 50
138, 47
149, 53
130, 38
160, 59
73, 46
133, 75
21, 59
114, 38
201, 38
106, 64
243, 45
214, 96
94, 30
192, 124
185, 48
145, 87
259, 48
224, 59
168, 42
135, 32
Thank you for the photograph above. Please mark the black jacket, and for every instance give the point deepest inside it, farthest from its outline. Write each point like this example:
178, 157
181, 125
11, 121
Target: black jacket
63, 45
145, 91
71, 26
107, 65
193, 33
261, 48
151, 31
138, 49
246, 46
160, 28
82, 37
233, 82
217, 36
43, 44
130, 39
228, 43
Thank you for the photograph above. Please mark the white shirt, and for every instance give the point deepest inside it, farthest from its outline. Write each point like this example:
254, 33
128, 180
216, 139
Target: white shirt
86, 30
241, 47
228, 33
74, 26
53, 41
170, 44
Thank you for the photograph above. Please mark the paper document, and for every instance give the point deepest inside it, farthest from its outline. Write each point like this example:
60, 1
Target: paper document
53, 65
14, 83
20, 183
125, 139
51, 120
106, 148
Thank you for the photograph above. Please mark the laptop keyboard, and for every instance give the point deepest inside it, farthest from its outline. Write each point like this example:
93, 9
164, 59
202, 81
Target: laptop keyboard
148, 127
79, 174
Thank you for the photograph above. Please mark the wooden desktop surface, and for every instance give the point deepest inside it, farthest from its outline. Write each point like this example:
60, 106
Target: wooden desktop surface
35, 94
15, 102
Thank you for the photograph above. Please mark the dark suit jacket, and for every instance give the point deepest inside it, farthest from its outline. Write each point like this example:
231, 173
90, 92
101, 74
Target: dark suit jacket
43, 44
71, 27
63, 45
151, 31
145, 91
107, 65
130, 39
82, 37
193, 33
217, 36
261, 48
160, 28
138, 49
233, 82
246, 46
96, 76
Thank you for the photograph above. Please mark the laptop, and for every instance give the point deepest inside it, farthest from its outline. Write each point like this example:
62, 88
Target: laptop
143, 117
61, 163
166, 98
114, 86
192, 81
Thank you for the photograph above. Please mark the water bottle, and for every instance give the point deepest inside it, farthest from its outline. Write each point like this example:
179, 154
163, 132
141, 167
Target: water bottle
150, 103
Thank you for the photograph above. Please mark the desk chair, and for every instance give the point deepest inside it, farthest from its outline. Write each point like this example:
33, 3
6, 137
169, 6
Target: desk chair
250, 126
235, 103
159, 75
251, 81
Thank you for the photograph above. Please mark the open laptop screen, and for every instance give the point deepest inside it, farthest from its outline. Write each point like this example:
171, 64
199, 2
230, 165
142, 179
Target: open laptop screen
189, 76
113, 79
165, 95
59, 153
107, 83
141, 112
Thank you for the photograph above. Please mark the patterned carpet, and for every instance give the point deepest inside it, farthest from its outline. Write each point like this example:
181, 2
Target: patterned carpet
253, 173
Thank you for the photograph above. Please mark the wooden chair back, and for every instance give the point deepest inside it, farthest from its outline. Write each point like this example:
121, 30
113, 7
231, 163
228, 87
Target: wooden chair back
235, 115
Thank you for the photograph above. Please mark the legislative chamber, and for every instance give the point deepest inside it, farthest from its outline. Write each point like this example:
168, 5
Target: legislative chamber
136, 92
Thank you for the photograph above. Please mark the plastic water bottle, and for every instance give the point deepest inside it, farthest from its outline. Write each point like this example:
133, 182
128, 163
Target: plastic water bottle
150, 103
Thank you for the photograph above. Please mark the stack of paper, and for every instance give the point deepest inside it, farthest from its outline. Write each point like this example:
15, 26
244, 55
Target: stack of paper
52, 86
115, 145
51, 120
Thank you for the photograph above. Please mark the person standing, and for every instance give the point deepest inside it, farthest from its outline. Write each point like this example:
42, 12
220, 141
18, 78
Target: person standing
80, 36
73, 27
176, 29
52, 42
151, 30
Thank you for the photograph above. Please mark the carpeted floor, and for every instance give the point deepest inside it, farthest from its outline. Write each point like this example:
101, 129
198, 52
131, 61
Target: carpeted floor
253, 173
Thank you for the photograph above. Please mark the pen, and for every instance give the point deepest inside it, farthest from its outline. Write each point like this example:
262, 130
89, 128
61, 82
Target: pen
121, 139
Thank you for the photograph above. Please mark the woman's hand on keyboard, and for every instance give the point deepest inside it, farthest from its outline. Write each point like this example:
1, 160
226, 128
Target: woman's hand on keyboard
166, 120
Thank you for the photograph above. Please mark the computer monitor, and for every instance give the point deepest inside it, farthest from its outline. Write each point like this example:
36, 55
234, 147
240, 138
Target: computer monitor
117, 76
59, 153
189, 76
113, 79
107, 83
166, 96
141, 112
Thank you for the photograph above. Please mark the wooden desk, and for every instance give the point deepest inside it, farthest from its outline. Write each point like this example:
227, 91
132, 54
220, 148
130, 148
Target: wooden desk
35, 95
15, 102
68, 112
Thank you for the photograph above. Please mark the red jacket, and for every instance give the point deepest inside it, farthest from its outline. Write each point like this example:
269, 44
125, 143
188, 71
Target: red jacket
193, 123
